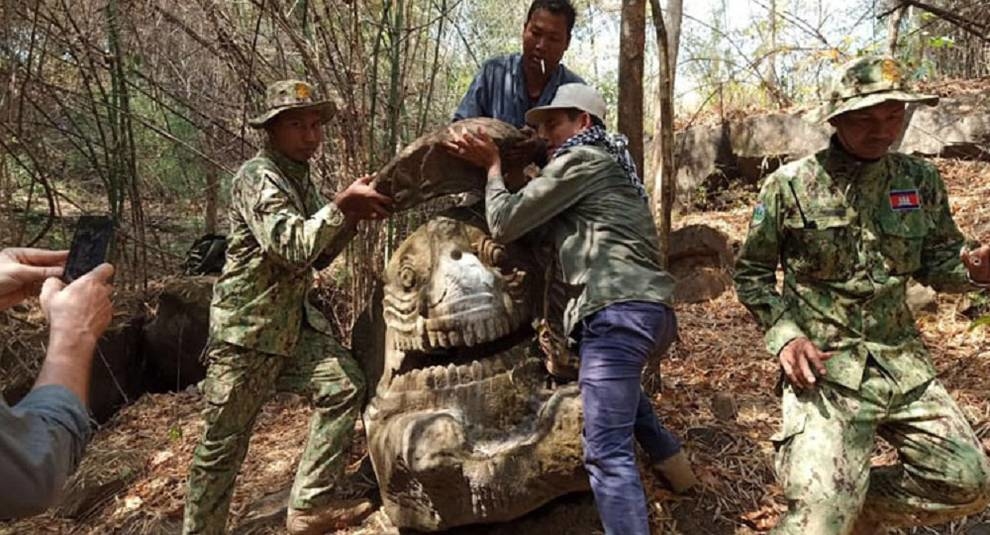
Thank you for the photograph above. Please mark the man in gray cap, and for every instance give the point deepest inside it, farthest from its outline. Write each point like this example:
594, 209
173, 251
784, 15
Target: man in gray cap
265, 336
849, 226
590, 205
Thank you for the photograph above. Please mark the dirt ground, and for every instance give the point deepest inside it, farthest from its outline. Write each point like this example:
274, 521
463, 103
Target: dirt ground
720, 355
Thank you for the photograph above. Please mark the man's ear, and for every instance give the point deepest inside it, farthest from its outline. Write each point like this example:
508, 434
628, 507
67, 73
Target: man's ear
586, 120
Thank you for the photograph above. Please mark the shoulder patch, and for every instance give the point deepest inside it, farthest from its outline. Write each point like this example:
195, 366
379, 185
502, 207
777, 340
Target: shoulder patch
759, 214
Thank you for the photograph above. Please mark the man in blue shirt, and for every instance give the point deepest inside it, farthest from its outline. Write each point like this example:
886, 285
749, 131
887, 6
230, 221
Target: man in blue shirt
509, 86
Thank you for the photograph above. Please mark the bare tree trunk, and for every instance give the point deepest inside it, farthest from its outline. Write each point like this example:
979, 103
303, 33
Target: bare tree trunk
631, 44
897, 12
666, 175
675, 14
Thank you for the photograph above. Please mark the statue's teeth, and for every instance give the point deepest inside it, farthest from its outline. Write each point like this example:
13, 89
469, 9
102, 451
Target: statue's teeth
469, 339
477, 371
434, 339
400, 383
429, 379
453, 377
439, 374
455, 339
442, 337
499, 365
505, 326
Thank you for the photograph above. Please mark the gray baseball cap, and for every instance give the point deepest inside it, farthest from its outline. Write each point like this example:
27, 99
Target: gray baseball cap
570, 96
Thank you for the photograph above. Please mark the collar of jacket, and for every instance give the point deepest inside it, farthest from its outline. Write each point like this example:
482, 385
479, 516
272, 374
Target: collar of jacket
843, 167
292, 169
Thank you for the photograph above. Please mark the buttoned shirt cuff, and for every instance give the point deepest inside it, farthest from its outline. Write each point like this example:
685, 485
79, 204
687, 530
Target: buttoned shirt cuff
781, 334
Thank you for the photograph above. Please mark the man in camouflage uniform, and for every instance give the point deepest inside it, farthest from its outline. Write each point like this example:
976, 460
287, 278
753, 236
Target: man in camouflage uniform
849, 226
265, 334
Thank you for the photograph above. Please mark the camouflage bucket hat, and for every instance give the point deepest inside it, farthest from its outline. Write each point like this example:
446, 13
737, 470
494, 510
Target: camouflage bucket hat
866, 82
290, 95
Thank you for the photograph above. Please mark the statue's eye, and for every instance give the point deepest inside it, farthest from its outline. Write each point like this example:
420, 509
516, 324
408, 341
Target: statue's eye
407, 277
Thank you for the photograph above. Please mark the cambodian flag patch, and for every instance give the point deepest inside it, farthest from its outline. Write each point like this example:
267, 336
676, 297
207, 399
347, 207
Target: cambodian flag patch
905, 199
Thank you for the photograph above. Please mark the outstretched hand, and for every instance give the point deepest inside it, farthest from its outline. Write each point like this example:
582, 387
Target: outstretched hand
23, 271
361, 201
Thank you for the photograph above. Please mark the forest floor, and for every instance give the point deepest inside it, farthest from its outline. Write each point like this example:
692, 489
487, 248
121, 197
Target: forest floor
720, 356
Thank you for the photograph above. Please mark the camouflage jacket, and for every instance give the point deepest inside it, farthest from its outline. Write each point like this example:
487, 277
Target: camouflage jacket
849, 235
279, 227
583, 204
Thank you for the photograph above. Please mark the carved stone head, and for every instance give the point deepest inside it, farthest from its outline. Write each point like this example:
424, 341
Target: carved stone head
463, 428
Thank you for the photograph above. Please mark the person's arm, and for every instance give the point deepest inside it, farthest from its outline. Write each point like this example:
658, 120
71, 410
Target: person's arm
756, 272
756, 286
558, 186
941, 266
42, 440
43, 437
290, 236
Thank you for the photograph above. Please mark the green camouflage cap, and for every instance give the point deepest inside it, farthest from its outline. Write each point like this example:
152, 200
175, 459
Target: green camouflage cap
868, 81
290, 95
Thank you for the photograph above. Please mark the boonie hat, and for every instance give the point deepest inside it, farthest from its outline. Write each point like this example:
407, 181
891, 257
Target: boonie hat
866, 82
291, 95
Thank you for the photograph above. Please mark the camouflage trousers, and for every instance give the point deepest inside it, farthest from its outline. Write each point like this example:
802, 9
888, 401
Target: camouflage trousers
238, 382
824, 450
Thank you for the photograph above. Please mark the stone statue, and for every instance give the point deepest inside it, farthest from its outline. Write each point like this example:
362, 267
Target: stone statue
464, 426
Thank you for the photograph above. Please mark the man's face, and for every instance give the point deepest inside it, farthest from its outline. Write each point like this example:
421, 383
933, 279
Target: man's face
545, 37
868, 133
559, 127
297, 134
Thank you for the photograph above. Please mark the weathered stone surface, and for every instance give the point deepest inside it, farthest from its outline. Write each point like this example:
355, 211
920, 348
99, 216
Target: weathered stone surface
700, 260
574, 514
463, 428
761, 143
704, 155
424, 169
712, 157
118, 370
174, 339
956, 128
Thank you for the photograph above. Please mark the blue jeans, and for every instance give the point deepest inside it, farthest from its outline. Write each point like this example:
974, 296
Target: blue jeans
614, 344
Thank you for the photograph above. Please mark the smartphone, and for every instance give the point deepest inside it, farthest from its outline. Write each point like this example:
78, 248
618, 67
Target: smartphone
91, 245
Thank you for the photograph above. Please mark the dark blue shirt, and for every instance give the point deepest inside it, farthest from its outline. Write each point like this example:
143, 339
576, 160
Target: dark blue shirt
499, 91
